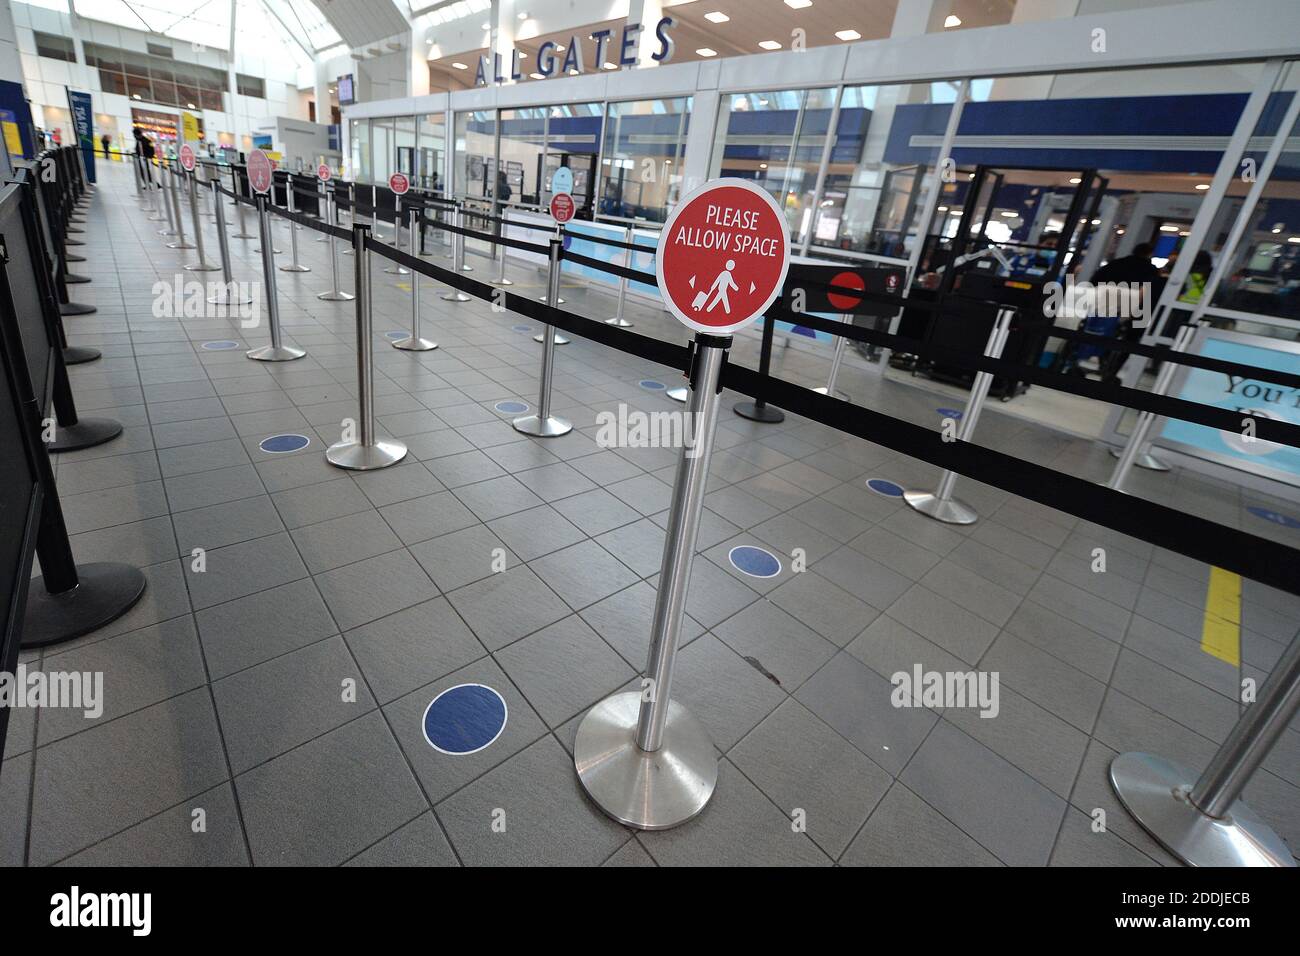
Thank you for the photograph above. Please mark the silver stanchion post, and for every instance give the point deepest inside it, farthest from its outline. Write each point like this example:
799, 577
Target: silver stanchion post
501, 249
415, 342
239, 206
352, 212
175, 191
940, 504
229, 293
1134, 450
552, 296
458, 243
165, 201
395, 269
1205, 823
837, 358
617, 318
332, 215
322, 202
544, 424
276, 351
641, 756
366, 452
202, 265
295, 265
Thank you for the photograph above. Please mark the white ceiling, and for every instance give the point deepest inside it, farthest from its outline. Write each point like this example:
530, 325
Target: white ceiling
360, 22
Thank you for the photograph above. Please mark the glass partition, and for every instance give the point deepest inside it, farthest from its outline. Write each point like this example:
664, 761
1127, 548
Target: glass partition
359, 149
383, 155
431, 147
404, 146
523, 152
641, 161
475, 154
573, 138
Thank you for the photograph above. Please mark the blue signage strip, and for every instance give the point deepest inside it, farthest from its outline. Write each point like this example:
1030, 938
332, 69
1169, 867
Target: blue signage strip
83, 123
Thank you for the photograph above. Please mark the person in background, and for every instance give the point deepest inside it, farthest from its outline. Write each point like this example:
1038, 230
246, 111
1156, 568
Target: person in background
108, 142
504, 191
1202, 265
1130, 271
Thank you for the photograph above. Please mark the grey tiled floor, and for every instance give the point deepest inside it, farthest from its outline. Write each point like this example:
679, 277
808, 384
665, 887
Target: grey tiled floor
225, 687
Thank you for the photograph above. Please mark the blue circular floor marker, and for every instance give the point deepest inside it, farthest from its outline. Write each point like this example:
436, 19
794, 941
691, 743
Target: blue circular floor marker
395, 336
511, 407
282, 444
651, 384
222, 345
956, 413
464, 719
1276, 517
756, 562
887, 488
522, 328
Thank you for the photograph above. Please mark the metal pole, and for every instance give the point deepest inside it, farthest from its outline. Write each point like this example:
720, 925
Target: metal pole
544, 424
940, 504
239, 206
414, 342
458, 245
1205, 823
1142, 427
275, 352
837, 357
295, 265
641, 756
228, 294
501, 247
552, 296
618, 319
366, 453
322, 199
180, 242
395, 269
202, 265
553, 292
165, 195
758, 410
332, 215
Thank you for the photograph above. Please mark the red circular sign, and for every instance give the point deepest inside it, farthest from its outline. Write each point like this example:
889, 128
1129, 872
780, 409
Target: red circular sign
187, 157
259, 171
398, 183
722, 256
842, 300
323, 173
562, 207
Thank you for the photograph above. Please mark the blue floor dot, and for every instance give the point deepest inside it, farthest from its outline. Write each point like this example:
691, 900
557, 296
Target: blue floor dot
950, 412
522, 328
1276, 517
651, 384
220, 346
395, 336
280, 444
464, 719
511, 408
887, 488
756, 562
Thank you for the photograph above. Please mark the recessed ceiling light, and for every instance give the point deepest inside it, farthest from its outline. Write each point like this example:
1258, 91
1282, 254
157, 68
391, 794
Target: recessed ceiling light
559, 48
1293, 239
1074, 181
573, 73
769, 44
1277, 229
523, 14
705, 51
951, 21
1202, 185
135, 96
610, 66
1168, 228
537, 76
941, 209
848, 34
1009, 214
762, 165
460, 66
798, 4
1119, 230
716, 17
487, 26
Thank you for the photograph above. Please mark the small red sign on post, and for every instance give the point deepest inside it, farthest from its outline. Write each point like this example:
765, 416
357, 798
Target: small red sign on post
723, 256
187, 157
844, 301
399, 183
563, 207
323, 173
259, 171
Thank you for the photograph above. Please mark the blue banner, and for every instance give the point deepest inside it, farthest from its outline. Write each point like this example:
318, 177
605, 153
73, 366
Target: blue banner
83, 123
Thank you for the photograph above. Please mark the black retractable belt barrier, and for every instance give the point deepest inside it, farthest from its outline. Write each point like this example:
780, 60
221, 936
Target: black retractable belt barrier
67, 601
758, 410
55, 206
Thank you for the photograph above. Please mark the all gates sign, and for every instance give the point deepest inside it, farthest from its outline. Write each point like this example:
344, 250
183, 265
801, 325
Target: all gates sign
723, 256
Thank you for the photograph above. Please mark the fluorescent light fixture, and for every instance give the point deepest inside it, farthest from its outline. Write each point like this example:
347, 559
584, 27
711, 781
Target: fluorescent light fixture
1119, 230
1295, 239
769, 44
191, 106
135, 96
1168, 228
716, 17
941, 209
762, 165
460, 66
705, 51
848, 35
798, 4
1009, 214
1202, 185
951, 21
1075, 180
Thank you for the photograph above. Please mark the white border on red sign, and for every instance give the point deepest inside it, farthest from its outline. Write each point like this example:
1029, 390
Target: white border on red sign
665, 235
193, 159
270, 167
405, 178
328, 173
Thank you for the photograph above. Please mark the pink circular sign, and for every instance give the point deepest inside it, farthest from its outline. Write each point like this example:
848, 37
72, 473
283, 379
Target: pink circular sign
399, 183
323, 173
259, 171
187, 157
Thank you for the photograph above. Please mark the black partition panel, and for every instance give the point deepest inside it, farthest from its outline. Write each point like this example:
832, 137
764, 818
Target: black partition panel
32, 323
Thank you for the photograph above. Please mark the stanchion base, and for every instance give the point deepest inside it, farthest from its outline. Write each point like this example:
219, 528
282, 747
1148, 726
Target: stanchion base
180, 245
298, 268
455, 297
270, 353
80, 354
542, 428
1155, 790
410, 344
466, 268
76, 308
224, 299
73, 279
1145, 460
823, 390
87, 433
203, 267
104, 592
648, 791
333, 296
758, 413
559, 339
678, 394
559, 300
619, 322
399, 271
358, 457
503, 281
242, 235
947, 510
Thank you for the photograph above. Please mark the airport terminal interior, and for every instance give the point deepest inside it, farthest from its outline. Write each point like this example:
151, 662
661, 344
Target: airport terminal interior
380, 489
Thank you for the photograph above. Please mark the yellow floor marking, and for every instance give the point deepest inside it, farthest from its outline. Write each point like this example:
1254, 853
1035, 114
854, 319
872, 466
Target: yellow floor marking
1221, 631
